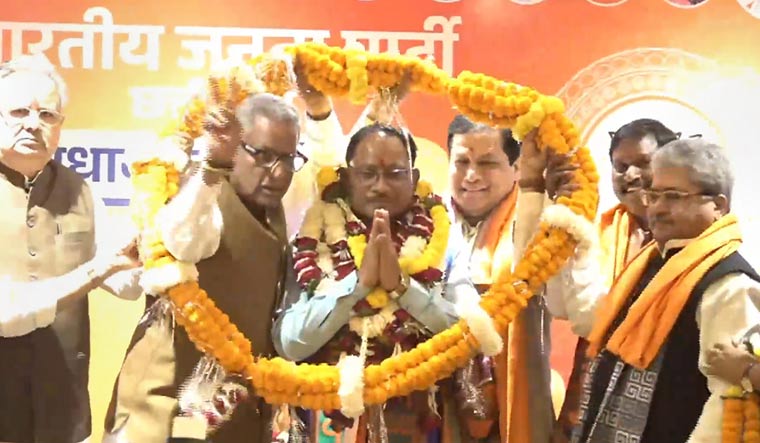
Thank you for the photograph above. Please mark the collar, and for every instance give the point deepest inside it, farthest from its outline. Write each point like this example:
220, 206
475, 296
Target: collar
673, 245
20, 180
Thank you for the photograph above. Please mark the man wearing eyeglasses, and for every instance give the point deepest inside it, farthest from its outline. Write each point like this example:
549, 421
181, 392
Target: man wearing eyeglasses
48, 264
649, 332
237, 191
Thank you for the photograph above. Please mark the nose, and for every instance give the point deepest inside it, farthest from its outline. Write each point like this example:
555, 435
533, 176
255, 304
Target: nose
278, 171
471, 174
657, 208
381, 185
31, 121
632, 174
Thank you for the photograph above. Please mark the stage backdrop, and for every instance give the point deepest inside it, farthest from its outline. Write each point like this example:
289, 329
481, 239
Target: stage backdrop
129, 64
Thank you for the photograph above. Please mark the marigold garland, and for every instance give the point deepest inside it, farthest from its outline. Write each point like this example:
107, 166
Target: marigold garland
482, 98
741, 415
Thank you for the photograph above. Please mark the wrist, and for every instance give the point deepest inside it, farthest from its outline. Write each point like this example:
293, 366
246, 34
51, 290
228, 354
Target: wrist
749, 364
532, 184
402, 286
213, 172
224, 169
319, 110
99, 270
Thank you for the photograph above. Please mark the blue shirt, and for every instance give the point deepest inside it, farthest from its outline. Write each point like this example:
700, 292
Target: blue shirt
305, 324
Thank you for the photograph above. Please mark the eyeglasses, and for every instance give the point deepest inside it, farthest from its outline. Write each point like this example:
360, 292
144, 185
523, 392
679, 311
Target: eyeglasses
370, 176
670, 196
265, 158
47, 117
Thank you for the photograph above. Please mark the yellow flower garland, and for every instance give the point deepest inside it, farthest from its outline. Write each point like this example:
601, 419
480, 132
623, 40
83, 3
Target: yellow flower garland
741, 415
482, 98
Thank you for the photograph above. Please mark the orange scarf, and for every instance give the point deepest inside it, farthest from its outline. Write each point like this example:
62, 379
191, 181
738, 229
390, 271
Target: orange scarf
493, 253
615, 229
493, 247
649, 321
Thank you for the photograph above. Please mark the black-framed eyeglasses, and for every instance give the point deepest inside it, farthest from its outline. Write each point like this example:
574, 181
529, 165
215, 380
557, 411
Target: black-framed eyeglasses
370, 176
670, 196
47, 117
265, 158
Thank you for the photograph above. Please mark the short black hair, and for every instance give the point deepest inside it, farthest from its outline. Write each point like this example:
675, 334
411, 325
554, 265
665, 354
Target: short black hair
462, 125
643, 127
406, 139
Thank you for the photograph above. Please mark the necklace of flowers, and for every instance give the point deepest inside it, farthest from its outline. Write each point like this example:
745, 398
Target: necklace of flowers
421, 253
563, 226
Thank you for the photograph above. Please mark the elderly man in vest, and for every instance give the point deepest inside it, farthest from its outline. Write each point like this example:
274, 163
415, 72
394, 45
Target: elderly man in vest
50, 262
623, 231
235, 199
682, 293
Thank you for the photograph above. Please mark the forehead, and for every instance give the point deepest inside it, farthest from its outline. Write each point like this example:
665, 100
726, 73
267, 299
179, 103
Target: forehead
276, 135
477, 143
673, 177
21, 89
629, 149
381, 149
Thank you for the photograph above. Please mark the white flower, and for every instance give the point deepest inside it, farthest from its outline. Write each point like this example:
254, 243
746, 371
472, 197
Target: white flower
413, 247
583, 231
335, 223
324, 259
312, 221
377, 322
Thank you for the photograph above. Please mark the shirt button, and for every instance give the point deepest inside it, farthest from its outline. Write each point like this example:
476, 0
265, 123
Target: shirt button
32, 252
30, 221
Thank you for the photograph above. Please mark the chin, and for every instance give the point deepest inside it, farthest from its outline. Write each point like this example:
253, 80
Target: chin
268, 202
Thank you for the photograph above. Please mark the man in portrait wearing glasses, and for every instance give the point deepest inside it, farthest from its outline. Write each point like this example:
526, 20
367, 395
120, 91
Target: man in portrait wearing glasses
49, 262
251, 160
649, 332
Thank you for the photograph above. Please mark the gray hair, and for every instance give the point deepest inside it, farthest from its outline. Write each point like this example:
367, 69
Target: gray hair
706, 162
268, 106
36, 64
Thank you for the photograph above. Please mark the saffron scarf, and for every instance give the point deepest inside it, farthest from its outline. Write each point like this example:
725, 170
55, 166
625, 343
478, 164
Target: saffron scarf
493, 248
649, 321
492, 255
614, 238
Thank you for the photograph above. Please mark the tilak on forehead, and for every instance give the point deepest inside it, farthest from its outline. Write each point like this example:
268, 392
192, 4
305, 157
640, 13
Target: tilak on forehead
382, 134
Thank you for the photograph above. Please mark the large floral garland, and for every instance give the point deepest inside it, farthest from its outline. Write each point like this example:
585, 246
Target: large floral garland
332, 240
352, 72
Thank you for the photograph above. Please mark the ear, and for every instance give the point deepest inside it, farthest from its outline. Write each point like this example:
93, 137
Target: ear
415, 177
722, 205
611, 133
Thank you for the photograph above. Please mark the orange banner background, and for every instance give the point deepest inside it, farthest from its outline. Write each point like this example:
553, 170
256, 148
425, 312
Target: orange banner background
694, 67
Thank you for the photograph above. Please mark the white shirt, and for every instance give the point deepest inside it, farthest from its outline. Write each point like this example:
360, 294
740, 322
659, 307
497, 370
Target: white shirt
729, 308
21, 314
191, 228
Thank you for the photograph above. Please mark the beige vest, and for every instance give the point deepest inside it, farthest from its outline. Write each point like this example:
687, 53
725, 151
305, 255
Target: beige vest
245, 279
45, 233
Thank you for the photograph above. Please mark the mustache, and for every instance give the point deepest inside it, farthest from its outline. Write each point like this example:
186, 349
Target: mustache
23, 134
378, 196
637, 183
659, 219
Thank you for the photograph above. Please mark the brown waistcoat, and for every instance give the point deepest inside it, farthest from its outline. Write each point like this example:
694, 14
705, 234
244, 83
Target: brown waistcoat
244, 277
46, 233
